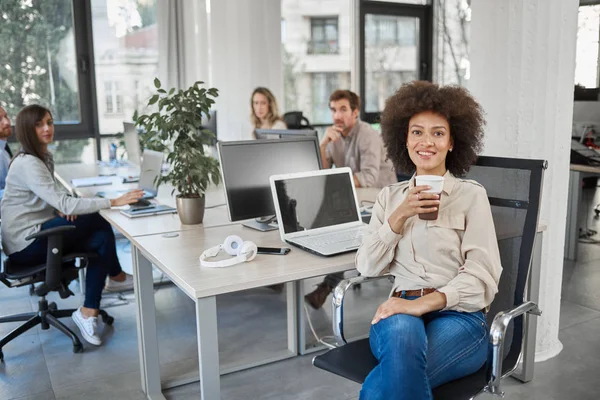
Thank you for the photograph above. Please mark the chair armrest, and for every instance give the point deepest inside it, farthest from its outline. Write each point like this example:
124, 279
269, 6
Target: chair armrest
338, 303
59, 230
497, 337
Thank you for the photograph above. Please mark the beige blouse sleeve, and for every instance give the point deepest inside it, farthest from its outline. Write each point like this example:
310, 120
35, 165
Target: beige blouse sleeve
476, 284
379, 242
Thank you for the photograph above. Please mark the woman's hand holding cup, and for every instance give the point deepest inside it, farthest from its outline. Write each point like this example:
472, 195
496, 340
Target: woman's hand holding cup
418, 201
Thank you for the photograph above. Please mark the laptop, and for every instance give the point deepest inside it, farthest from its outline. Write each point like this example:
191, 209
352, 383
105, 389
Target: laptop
149, 171
318, 211
132, 143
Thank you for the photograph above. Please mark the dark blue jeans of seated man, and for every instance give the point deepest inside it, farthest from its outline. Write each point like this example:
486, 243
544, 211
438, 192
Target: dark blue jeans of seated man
417, 355
93, 235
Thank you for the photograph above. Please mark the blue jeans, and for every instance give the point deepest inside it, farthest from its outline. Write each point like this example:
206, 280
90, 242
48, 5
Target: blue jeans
418, 354
93, 235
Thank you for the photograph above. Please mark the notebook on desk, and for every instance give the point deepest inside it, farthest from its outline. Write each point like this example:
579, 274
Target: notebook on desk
318, 211
146, 212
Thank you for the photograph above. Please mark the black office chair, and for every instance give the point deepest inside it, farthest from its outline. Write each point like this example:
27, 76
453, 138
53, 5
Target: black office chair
54, 275
295, 120
514, 188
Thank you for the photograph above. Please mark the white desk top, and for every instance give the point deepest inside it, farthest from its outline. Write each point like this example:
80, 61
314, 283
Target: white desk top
179, 258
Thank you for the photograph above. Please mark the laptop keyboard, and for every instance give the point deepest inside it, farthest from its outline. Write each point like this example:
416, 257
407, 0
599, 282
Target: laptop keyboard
348, 238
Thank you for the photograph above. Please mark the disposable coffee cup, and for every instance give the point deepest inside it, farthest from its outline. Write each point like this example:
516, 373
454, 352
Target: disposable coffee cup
437, 184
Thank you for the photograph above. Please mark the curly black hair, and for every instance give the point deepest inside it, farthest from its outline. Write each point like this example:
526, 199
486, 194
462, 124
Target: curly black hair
464, 114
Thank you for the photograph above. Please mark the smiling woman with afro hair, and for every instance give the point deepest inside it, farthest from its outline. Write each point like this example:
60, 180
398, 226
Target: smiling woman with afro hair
441, 248
463, 113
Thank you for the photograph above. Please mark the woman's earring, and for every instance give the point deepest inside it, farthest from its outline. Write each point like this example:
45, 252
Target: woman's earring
450, 149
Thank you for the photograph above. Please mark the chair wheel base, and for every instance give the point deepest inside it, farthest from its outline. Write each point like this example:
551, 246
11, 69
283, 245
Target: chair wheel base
78, 348
1, 356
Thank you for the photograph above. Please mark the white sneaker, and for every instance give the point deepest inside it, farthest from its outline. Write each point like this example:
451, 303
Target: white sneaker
114, 286
88, 327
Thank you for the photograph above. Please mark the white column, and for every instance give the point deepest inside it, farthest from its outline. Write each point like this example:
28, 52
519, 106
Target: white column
245, 52
522, 71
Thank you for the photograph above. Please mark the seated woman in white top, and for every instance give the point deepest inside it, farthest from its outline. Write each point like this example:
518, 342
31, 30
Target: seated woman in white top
433, 328
265, 113
33, 201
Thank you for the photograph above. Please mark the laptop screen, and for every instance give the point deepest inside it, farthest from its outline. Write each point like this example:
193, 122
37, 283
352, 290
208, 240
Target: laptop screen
150, 169
319, 201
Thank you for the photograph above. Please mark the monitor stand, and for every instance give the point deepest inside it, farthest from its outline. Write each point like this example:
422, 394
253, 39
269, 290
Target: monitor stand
263, 224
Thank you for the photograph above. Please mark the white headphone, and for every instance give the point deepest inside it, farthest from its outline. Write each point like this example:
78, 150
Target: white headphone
234, 246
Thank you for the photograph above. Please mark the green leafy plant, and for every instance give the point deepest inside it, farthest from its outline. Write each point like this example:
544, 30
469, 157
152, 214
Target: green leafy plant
177, 128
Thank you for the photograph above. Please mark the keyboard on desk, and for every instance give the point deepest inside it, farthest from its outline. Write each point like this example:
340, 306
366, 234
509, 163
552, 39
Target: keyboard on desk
332, 242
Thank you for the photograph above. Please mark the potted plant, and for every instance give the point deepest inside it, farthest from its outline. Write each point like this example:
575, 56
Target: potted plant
176, 127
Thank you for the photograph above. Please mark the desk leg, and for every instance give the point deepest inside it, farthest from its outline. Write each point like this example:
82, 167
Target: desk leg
292, 316
208, 348
574, 199
301, 325
146, 325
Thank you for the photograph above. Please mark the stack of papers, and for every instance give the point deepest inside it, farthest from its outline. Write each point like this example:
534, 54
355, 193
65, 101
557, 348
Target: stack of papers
92, 181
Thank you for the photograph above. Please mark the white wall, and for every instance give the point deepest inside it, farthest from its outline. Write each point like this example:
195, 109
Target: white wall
245, 46
522, 71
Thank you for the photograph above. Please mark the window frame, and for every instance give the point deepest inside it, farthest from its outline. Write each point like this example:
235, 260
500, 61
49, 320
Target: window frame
84, 53
425, 39
323, 23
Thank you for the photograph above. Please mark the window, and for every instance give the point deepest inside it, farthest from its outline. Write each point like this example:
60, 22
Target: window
44, 56
316, 56
112, 97
586, 60
125, 38
453, 32
324, 36
323, 84
382, 30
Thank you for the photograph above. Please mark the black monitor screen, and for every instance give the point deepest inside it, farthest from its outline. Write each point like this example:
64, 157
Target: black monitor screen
316, 202
248, 165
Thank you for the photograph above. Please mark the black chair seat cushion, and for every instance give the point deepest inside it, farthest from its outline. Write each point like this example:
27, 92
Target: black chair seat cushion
13, 270
354, 361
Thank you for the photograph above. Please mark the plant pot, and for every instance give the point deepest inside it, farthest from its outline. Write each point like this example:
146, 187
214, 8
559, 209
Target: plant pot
190, 209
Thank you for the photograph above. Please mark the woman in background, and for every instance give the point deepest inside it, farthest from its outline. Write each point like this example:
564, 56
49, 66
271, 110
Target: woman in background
265, 113
34, 201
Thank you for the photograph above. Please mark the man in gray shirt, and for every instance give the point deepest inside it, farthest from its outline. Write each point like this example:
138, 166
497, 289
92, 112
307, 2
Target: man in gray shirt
351, 143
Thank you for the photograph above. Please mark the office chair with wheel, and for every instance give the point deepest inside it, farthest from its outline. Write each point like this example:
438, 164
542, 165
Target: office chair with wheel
514, 188
52, 276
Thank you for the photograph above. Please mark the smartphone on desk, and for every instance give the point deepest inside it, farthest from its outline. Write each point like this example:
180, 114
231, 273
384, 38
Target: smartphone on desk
279, 251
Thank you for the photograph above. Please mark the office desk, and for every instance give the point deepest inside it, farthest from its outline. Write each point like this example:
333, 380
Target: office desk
178, 258
576, 175
214, 215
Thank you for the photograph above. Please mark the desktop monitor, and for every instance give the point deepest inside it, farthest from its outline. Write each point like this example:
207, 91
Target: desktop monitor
284, 133
247, 165
132, 143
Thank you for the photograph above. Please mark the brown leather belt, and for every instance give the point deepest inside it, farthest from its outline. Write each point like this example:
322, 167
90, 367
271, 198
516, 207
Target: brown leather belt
412, 293
420, 293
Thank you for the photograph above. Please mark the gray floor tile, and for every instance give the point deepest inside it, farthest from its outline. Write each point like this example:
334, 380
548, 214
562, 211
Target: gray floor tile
24, 371
117, 355
10, 306
573, 314
39, 396
123, 387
